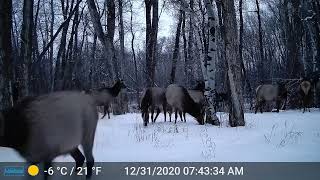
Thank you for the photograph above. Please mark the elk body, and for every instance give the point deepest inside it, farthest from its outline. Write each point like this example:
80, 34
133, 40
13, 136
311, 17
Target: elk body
104, 96
270, 92
44, 127
153, 98
180, 100
305, 94
197, 94
198, 97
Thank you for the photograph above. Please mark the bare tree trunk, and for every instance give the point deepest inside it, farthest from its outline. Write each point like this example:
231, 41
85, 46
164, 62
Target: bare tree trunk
241, 37
35, 66
62, 49
185, 52
261, 65
26, 46
71, 57
222, 77
120, 103
294, 33
190, 61
121, 34
108, 53
51, 48
176, 49
134, 54
316, 34
151, 39
236, 115
111, 25
244, 72
6, 59
210, 66
94, 47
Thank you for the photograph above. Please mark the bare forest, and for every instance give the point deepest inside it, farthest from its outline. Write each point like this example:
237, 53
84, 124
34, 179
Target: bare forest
233, 46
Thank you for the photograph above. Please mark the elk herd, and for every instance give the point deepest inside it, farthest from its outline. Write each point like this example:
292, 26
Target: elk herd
179, 100
43, 127
307, 88
173, 99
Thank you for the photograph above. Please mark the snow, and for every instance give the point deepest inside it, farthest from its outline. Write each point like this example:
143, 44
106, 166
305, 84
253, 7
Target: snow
289, 136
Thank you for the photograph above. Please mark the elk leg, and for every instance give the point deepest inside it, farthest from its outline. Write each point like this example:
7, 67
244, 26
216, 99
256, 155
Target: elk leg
176, 116
284, 104
164, 112
146, 118
87, 149
152, 111
278, 102
261, 106
184, 116
78, 157
158, 112
257, 107
104, 112
180, 114
108, 112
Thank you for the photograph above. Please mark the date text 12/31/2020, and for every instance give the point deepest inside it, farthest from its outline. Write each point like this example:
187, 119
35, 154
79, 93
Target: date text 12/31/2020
187, 171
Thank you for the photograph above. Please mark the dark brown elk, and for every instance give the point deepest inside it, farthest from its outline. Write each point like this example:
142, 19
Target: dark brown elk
44, 127
269, 92
180, 100
198, 97
305, 93
197, 94
153, 99
105, 95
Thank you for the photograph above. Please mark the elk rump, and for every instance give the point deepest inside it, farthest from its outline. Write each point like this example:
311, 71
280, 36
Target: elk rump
44, 127
270, 92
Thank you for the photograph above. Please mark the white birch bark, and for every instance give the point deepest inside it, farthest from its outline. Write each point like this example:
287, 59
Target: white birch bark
209, 66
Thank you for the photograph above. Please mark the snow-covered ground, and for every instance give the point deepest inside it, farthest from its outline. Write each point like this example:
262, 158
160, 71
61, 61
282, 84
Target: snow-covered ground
288, 136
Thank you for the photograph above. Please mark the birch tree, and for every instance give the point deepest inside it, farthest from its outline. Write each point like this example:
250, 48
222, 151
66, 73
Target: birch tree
209, 66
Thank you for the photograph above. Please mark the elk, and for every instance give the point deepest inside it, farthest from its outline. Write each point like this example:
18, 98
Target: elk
44, 127
270, 92
198, 97
197, 94
305, 93
105, 95
155, 99
180, 100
